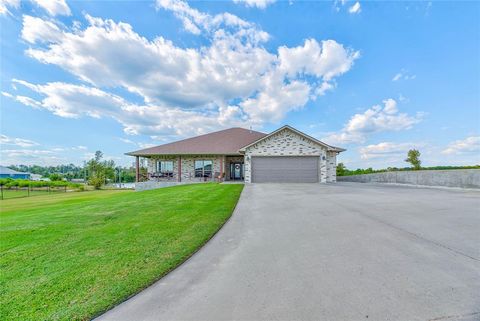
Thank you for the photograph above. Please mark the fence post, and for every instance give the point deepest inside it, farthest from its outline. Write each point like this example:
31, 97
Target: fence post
28, 190
1, 188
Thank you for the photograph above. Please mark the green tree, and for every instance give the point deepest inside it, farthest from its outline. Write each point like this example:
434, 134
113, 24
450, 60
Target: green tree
413, 157
55, 177
100, 170
341, 169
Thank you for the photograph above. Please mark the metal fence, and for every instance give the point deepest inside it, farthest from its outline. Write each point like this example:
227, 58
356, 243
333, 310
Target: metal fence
27, 191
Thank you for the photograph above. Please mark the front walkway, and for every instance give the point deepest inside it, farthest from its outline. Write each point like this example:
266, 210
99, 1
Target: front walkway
329, 252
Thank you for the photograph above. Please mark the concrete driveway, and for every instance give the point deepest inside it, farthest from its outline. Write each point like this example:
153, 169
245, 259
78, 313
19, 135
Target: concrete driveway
345, 251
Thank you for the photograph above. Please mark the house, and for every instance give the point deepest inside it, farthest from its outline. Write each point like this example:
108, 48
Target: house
6, 172
285, 155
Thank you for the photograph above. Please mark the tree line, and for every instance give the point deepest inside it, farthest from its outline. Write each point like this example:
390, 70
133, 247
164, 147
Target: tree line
96, 171
413, 158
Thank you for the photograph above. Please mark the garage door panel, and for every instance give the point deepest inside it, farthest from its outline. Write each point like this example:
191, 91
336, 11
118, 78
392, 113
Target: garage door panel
285, 169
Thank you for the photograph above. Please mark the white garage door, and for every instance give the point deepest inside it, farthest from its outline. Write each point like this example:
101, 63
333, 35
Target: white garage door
285, 169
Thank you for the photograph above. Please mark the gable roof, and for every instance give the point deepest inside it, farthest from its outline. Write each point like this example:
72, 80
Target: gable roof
223, 142
328, 147
8, 171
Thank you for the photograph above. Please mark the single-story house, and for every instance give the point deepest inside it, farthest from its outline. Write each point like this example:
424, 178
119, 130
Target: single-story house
285, 155
6, 172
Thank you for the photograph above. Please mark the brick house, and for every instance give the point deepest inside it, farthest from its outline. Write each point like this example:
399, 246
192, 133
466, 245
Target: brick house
285, 156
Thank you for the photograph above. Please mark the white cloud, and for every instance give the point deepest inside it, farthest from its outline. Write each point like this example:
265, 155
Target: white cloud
373, 120
397, 77
54, 7
403, 74
141, 145
32, 157
261, 4
195, 21
231, 80
5, 4
39, 30
73, 101
356, 8
21, 142
386, 149
465, 146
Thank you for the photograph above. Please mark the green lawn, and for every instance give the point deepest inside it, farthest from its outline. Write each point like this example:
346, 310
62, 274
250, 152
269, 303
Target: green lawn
13, 193
72, 256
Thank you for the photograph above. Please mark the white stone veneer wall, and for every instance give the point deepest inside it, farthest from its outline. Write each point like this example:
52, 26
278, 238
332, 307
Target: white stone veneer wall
331, 167
289, 143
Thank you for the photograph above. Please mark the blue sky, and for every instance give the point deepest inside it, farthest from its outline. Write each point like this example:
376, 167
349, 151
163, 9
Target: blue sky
377, 78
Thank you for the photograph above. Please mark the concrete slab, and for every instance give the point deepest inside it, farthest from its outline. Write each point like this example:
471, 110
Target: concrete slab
345, 251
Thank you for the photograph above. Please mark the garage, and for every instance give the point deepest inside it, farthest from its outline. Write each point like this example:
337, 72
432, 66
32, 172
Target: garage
285, 169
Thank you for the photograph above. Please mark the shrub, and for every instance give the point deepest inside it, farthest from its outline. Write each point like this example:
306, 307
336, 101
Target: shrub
96, 181
55, 177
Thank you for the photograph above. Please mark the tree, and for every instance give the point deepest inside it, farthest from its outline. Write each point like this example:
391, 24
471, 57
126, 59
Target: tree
55, 177
341, 169
99, 171
413, 157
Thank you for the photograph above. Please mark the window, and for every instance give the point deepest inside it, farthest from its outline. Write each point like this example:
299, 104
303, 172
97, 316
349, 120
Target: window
165, 167
203, 168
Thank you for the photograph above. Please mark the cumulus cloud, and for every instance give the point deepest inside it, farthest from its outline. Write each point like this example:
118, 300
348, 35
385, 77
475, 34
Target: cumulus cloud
14, 141
195, 21
373, 120
464, 146
261, 4
73, 101
230, 80
40, 30
356, 8
54, 7
385, 149
5, 4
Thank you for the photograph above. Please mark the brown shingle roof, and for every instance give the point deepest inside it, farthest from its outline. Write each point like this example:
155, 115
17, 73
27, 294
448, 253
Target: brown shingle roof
224, 142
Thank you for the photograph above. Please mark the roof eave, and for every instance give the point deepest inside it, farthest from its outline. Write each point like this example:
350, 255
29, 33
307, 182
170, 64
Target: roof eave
182, 154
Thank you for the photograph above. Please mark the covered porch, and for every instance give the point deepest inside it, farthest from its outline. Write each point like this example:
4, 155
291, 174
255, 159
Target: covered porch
189, 168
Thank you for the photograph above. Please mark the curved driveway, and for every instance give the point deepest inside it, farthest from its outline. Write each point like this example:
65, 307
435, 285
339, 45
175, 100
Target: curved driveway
343, 251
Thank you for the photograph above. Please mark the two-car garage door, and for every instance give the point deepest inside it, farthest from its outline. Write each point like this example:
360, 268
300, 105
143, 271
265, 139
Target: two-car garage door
285, 169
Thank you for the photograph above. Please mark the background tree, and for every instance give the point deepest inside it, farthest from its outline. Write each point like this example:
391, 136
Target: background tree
413, 157
341, 169
55, 177
99, 170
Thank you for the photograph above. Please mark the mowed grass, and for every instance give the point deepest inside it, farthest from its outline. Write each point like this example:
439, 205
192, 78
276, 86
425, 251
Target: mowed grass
72, 256
13, 193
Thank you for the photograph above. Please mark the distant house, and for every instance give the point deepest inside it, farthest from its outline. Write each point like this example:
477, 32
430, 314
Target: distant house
38, 177
6, 172
285, 155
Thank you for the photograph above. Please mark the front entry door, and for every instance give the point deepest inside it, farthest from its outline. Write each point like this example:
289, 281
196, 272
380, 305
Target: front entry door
236, 171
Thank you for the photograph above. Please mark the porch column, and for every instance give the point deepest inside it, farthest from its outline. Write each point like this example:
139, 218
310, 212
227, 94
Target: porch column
221, 167
137, 169
179, 167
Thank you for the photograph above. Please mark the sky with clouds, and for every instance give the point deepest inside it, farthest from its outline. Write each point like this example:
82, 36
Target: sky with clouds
377, 78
